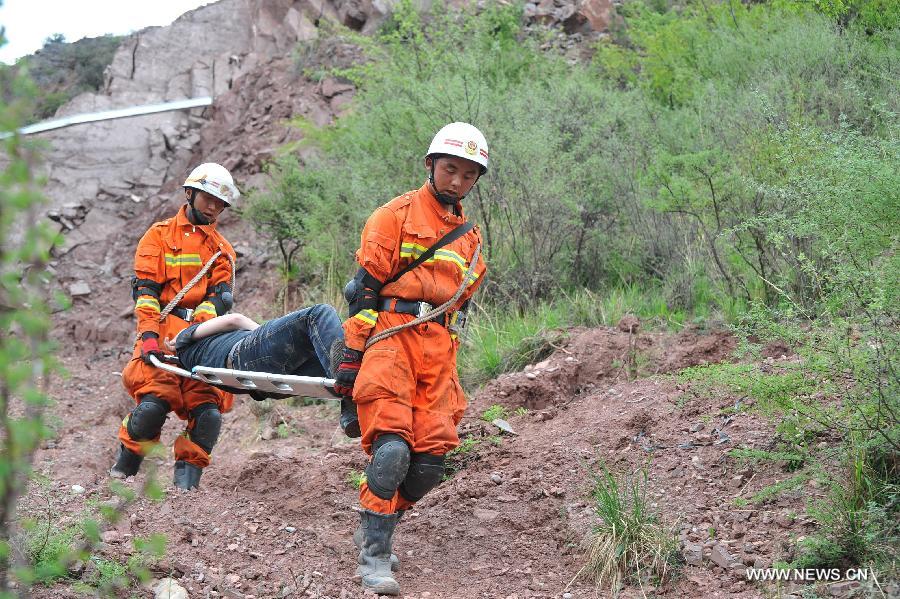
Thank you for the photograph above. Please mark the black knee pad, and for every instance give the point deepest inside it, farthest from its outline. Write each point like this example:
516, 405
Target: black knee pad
390, 462
426, 471
207, 426
147, 418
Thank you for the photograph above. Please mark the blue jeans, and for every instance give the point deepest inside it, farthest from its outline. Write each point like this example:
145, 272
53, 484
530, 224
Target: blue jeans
298, 343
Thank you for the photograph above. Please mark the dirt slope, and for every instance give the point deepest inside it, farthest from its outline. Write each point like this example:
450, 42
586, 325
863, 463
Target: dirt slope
274, 518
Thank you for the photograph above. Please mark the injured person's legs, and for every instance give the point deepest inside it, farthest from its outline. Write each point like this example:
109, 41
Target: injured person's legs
299, 343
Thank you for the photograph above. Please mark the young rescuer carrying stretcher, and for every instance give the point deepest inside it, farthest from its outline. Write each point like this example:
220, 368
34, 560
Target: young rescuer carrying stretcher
417, 253
186, 265
184, 272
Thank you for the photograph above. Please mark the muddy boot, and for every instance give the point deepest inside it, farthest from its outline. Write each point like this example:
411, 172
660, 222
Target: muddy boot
375, 554
187, 476
349, 419
358, 540
127, 463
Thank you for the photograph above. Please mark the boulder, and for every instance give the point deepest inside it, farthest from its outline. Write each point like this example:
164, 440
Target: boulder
169, 589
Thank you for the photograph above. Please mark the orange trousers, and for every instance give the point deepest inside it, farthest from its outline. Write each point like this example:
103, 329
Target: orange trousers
182, 395
408, 385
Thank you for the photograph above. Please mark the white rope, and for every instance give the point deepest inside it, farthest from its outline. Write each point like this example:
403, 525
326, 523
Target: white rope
436, 312
180, 295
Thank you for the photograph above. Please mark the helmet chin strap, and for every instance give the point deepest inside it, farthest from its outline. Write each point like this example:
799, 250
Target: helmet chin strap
195, 216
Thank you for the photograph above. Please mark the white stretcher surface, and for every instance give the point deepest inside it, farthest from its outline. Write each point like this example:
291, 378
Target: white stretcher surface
283, 384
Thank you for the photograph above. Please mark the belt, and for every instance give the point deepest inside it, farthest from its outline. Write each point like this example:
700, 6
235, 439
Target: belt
184, 314
392, 304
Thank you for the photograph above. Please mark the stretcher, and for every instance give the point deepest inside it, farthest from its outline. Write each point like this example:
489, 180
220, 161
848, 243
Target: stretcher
282, 385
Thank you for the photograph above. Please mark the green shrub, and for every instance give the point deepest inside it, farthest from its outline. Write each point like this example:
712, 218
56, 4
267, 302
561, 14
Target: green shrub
63, 70
675, 162
494, 412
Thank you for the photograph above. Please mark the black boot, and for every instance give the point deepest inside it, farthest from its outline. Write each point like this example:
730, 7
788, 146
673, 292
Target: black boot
187, 476
358, 541
127, 463
375, 554
349, 419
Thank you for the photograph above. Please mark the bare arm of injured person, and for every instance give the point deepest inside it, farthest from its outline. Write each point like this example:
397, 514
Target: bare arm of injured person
219, 324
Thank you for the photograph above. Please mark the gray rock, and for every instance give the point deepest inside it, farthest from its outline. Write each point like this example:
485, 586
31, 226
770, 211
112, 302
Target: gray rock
504, 426
785, 520
693, 553
169, 589
843, 589
485, 515
76, 568
79, 288
332, 87
697, 427
204, 52
721, 557
110, 536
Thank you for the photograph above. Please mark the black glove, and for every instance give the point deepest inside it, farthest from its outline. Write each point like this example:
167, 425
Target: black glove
345, 377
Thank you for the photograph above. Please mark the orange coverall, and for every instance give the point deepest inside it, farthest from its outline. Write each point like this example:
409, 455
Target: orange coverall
171, 253
408, 384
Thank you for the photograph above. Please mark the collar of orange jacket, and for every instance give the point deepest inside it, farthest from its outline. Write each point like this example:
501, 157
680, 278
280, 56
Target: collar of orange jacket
182, 220
435, 205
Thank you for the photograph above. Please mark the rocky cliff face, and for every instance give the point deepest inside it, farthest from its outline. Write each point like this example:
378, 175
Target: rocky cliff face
202, 53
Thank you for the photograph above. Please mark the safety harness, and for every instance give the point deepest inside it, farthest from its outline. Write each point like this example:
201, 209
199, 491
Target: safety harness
361, 292
433, 313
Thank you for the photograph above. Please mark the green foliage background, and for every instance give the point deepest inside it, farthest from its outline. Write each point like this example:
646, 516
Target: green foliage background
670, 161
39, 546
63, 70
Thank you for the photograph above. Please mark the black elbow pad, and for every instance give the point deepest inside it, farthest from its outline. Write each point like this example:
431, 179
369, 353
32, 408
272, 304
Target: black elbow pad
361, 292
141, 287
222, 298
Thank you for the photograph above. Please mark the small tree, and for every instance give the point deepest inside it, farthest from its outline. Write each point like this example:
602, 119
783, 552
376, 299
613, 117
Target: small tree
281, 213
26, 365
26, 358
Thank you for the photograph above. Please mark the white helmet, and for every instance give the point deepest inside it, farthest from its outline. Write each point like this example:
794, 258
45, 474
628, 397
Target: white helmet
462, 140
215, 180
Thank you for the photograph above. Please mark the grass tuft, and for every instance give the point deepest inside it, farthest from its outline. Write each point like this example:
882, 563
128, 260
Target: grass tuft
631, 544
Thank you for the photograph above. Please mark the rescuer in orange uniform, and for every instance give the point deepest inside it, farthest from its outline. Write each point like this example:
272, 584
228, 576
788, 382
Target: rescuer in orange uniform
169, 255
406, 387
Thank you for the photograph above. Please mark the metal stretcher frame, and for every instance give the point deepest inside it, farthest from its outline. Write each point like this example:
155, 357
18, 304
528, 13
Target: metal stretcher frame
285, 385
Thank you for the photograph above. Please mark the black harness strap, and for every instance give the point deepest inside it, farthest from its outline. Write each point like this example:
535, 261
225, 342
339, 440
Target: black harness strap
427, 254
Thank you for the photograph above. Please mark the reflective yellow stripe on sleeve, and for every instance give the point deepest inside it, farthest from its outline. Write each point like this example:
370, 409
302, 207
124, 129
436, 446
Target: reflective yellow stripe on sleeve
367, 316
147, 302
205, 308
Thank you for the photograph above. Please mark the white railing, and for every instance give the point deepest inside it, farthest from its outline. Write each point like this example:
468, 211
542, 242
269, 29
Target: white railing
106, 115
